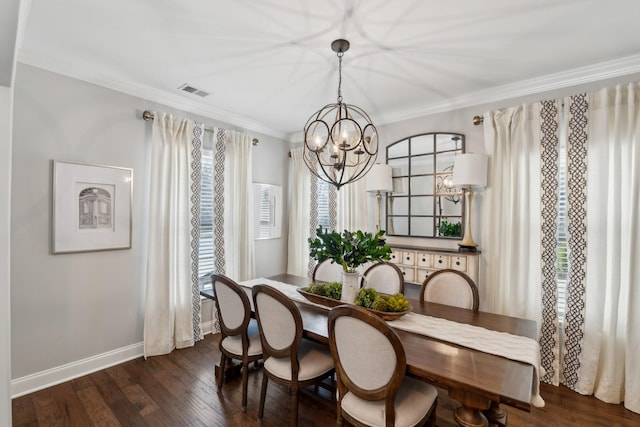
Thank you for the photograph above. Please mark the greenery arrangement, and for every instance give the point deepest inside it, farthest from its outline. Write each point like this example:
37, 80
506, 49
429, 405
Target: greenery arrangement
331, 290
349, 249
450, 229
370, 298
367, 297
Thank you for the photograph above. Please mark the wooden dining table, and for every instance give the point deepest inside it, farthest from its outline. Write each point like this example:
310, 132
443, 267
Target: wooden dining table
479, 381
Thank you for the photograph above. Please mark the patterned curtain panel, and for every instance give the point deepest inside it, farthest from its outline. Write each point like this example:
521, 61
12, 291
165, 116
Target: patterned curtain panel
582, 159
172, 303
603, 320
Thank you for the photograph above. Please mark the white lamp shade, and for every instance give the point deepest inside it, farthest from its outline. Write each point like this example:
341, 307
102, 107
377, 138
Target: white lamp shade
379, 178
470, 170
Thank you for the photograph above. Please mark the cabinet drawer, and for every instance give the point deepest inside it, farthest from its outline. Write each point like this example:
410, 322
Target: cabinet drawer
424, 259
408, 258
421, 275
396, 256
459, 263
440, 261
408, 273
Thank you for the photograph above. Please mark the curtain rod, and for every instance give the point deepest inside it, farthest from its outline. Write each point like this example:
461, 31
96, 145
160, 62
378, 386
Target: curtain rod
148, 115
477, 120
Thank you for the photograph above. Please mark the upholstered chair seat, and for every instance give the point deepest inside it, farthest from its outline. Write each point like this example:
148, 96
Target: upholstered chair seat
233, 344
313, 358
409, 405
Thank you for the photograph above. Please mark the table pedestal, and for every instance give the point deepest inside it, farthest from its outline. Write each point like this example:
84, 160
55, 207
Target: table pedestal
495, 415
470, 413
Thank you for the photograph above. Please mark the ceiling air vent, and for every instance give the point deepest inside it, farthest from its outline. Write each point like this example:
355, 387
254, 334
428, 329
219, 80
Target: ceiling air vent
193, 90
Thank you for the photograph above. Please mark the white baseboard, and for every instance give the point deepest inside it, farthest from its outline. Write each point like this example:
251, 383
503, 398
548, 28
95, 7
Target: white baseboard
60, 374
50, 377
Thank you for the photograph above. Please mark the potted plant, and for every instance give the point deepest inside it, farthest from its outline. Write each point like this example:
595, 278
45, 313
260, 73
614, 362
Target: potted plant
350, 249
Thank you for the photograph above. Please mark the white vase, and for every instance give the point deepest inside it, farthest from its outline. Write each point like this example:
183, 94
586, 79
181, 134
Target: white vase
350, 286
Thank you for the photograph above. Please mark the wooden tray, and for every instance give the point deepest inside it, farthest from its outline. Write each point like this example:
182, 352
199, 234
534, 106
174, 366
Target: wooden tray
330, 302
319, 299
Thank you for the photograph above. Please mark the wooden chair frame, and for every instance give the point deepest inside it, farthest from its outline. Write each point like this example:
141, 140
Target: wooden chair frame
386, 392
241, 330
291, 352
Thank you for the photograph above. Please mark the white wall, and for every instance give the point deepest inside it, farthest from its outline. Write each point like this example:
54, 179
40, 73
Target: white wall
68, 310
5, 293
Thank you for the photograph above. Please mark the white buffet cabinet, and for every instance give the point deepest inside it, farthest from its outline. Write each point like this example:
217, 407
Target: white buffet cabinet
416, 263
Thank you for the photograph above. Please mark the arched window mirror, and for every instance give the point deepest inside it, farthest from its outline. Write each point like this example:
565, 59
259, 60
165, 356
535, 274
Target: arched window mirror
424, 202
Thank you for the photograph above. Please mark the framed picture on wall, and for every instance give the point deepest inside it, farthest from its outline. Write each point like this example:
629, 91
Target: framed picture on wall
91, 207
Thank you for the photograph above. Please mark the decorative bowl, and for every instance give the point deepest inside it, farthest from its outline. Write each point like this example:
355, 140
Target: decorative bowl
330, 302
319, 299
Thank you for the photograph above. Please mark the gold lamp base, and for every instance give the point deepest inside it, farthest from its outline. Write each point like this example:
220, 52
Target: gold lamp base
467, 244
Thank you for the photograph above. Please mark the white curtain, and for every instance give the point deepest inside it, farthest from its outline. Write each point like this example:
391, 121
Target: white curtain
596, 352
172, 310
299, 215
238, 211
511, 213
352, 207
609, 358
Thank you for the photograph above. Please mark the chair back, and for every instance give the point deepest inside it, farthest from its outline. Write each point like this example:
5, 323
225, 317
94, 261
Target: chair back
280, 323
233, 305
450, 287
369, 358
327, 271
384, 277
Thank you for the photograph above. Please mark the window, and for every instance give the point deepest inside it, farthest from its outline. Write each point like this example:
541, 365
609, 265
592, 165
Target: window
206, 254
324, 213
562, 249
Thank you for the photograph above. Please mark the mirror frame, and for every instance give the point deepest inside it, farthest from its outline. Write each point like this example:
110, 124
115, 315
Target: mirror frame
435, 175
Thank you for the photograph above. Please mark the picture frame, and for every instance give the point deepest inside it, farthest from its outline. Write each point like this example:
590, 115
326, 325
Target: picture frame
91, 207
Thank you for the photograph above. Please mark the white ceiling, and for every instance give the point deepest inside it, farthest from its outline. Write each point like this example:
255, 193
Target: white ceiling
268, 63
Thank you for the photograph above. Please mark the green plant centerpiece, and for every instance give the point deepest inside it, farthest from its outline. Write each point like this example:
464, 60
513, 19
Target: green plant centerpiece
350, 249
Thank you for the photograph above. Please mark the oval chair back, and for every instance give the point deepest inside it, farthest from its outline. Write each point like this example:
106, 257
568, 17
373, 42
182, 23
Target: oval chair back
450, 287
370, 366
288, 358
384, 277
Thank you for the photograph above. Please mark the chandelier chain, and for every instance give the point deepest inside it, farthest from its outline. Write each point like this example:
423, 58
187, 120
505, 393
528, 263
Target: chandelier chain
340, 54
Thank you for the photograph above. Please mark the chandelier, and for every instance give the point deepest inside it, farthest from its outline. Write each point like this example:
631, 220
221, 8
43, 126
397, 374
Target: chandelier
340, 142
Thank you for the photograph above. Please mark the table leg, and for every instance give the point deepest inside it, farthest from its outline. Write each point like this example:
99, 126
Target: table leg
470, 413
496, 416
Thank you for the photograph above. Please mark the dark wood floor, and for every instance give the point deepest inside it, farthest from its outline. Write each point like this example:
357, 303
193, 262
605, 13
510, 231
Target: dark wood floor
179, 390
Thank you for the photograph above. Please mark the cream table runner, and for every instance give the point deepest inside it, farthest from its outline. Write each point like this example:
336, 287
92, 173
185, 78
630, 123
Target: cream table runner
513, 347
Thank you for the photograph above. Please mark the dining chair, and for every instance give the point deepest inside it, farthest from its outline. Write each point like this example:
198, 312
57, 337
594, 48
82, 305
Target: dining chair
289, 359
240, 338
370, 361
384, 277
450, 287
327, 271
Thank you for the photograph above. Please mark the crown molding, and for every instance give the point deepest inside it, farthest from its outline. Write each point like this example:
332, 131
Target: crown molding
588, 74
87, 74
577, 76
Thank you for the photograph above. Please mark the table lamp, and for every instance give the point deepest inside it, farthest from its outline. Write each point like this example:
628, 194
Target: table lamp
469, 171
379, 181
